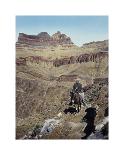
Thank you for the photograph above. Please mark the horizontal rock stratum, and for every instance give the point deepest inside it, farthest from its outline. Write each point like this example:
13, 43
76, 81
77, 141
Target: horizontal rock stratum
44, 39
83, 58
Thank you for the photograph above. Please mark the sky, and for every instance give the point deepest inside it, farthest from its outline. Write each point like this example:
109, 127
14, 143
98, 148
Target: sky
81, 29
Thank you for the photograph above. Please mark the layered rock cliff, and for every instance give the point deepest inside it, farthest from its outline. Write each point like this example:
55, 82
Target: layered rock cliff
94, 57
83, 58
43, 39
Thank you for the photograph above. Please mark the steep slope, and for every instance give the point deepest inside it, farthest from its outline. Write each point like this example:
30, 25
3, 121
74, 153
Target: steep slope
97, 46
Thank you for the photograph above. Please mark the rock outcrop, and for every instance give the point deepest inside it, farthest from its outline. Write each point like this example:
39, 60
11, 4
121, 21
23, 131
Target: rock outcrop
98, 45
100, 81
83, 58
61, 38
94, 57
20, 61
43, 39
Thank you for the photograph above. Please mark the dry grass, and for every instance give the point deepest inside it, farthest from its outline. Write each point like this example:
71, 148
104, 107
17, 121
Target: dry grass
53, 52
51, 96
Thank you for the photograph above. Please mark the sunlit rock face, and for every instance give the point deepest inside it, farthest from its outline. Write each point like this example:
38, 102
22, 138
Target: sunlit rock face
44, 39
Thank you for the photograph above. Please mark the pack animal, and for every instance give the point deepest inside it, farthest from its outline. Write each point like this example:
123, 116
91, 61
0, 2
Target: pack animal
76, 101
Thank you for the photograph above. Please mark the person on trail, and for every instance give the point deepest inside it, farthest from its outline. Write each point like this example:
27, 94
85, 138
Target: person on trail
77, 88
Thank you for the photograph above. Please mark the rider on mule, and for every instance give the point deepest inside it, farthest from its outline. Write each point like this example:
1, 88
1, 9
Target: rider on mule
77, 88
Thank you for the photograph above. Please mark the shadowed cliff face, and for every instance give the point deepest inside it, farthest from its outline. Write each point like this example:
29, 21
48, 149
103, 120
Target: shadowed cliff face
93, 57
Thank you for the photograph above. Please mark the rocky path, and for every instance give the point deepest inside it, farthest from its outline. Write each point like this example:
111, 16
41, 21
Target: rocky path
68, 126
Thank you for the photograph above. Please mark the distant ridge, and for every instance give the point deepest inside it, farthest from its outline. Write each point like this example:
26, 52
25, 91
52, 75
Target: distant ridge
44, 39
99, 45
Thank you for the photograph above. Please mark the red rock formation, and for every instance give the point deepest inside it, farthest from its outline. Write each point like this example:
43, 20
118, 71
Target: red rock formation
21, 61
36, 59
44, 39
94, 57
83, 58
32, 59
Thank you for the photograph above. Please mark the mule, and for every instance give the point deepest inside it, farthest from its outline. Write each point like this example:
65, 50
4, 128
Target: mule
76, 100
